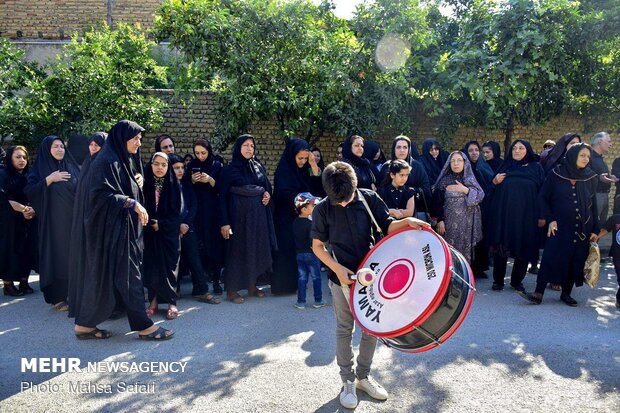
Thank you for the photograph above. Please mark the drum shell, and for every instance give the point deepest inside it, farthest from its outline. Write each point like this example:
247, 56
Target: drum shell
446, 318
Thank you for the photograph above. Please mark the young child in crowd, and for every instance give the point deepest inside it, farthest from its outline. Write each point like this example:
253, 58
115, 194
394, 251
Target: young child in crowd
307, 262
342, 220
612, 225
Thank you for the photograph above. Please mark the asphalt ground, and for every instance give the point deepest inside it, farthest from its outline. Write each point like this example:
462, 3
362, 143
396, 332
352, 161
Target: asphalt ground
266, 356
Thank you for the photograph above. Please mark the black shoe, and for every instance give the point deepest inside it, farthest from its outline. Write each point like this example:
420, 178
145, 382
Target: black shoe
497, 287
25, 288
570, 301
12, 291
217, 289
518, 288
534, 298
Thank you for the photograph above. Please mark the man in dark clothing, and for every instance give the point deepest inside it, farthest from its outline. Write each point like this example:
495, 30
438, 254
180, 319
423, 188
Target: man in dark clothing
601, 145
343, 220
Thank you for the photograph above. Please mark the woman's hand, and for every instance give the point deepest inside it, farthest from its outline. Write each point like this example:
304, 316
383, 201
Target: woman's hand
266, 198
441, 228
226, 231
458, 187
183, 229
139, 180
541, 223
553, 228
142, 214
499, 178
28, 212
593, 238
57, 176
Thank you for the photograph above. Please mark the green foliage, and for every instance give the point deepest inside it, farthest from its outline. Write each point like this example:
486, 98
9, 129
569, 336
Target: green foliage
96, 81
511, 61
266, 59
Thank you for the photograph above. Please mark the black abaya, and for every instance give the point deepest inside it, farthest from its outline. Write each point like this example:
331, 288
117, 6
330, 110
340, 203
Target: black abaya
289, 180
113, 234
54, 208
162, 247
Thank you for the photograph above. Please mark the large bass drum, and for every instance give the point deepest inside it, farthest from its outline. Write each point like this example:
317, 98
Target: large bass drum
422, 291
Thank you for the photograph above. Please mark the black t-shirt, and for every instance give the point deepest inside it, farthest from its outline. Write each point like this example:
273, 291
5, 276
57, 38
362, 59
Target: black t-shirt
349, 229
301, 232
598, 165
396, 198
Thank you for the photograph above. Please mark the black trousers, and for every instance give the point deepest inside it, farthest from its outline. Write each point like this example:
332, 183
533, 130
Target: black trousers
617, 268
519, 270
191, 258
567, 286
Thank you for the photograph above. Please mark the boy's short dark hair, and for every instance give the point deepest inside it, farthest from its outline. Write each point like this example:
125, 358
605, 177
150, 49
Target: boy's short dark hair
339, 182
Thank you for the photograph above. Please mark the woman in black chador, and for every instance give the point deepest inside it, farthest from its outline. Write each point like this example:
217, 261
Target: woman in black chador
205, 171
52, 182
19, 231
352, 153
568, 204
247, 221
297, 172
404, 149
513, 214
113, 231
433, 158
552, 157
77, 261
492, 155
164, 204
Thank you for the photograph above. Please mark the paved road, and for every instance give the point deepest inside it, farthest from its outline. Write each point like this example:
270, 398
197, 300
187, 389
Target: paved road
266, 356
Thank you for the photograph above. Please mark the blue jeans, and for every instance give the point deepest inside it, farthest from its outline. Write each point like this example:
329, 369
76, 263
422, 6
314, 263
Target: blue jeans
308, 264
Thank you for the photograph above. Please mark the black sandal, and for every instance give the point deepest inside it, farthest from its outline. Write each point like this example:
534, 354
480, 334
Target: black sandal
159, 334
94, 334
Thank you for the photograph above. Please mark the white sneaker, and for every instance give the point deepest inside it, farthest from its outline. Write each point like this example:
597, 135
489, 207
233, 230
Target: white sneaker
348, 396
372, 388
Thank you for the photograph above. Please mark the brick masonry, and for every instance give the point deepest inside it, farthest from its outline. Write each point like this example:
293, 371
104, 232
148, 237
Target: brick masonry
59, 19
198, 120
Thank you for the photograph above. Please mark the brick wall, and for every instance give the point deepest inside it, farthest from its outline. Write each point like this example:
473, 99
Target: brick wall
57, 19
185, 124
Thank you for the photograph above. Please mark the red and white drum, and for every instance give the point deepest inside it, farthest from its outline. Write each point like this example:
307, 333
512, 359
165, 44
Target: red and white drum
422, 291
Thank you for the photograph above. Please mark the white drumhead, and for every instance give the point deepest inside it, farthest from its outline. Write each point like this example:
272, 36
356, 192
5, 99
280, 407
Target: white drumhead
411, 280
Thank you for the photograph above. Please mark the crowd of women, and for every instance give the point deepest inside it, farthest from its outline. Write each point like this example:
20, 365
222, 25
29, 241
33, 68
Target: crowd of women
109, 235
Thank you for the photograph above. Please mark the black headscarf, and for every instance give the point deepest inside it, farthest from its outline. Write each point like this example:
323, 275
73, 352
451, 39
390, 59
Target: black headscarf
242, 171
411, 154
15, 181
497, 160
549, 159
510, 164
170, 201
116, 147
163, 138
211, 166
288, 175
362, 166
482, 171
98, 137
432, 165
45, 163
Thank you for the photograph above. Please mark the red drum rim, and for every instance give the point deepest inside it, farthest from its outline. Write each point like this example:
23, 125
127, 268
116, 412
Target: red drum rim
445, 282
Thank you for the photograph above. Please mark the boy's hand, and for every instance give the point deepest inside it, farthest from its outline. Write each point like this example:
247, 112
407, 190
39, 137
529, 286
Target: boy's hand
343, 273
417, 223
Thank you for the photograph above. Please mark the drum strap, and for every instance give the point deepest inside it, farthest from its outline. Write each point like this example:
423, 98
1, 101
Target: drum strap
372, 217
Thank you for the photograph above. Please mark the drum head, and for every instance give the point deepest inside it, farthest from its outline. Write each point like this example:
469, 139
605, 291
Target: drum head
412, 278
